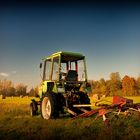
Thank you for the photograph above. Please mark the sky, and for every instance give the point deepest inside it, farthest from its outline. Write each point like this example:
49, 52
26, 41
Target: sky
106, 32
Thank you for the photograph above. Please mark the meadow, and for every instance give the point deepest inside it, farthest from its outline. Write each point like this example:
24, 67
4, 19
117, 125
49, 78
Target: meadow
16, 123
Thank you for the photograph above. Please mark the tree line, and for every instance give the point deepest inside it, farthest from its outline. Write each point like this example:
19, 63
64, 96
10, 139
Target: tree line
7, 88
127, 86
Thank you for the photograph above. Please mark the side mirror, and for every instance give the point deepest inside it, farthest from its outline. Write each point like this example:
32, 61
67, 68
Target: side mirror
41, 70
40, 65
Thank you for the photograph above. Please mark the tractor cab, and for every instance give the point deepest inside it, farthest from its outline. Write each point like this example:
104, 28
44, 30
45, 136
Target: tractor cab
63, 71
65, 66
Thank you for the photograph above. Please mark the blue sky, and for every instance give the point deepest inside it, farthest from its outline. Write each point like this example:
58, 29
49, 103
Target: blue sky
109, 36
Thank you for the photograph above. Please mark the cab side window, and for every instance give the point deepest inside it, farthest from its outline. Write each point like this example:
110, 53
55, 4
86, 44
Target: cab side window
47, 71
55, 72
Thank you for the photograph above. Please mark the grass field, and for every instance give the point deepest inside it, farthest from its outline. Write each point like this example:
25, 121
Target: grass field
16, 123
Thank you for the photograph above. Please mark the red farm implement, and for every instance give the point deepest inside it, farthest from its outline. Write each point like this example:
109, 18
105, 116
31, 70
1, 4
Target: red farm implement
119, 106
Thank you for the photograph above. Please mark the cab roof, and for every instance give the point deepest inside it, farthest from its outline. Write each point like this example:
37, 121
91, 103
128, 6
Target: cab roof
66, 56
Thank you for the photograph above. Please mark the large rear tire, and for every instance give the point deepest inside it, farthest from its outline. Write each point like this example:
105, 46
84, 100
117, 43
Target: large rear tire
49, 109
84, 99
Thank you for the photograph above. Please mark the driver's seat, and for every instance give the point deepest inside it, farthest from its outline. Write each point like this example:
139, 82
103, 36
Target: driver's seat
71, 75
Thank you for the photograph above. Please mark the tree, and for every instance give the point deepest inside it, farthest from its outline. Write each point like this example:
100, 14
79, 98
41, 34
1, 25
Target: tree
21, 90
138, 85
100, 87
115, 77
129, 86
92, 83
115, 83
11, 91
7, 88
103, 87
33, 92
96, 87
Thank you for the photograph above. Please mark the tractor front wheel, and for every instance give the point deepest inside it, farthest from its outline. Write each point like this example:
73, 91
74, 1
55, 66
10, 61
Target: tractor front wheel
33, 109
49, 108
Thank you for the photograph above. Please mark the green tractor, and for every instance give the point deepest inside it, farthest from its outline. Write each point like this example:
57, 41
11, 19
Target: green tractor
64, 87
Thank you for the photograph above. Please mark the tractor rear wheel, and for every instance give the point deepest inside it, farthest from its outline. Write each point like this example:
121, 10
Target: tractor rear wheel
49, 108
84, 99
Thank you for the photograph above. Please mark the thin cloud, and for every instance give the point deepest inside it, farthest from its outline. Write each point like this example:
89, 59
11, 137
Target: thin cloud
14, 72
4, 74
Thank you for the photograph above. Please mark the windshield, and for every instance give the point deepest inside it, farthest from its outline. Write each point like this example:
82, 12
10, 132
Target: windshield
77, 69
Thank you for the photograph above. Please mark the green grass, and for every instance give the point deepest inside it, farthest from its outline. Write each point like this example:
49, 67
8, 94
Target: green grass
16, 123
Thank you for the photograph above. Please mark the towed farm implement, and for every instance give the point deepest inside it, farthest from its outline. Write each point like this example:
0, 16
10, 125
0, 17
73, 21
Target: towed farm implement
119, 106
